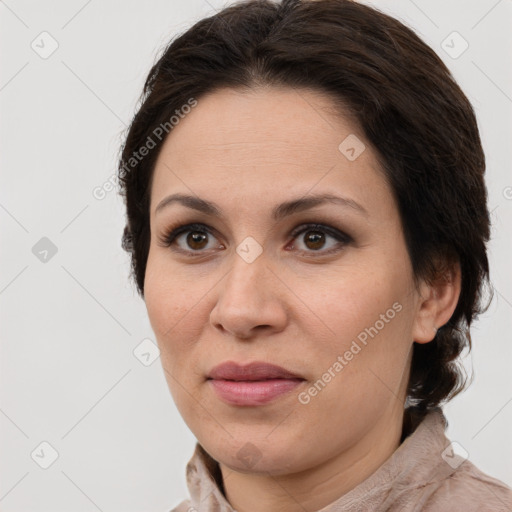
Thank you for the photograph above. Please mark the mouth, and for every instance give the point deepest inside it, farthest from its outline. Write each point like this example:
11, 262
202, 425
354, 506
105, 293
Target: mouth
254, 384
250, 372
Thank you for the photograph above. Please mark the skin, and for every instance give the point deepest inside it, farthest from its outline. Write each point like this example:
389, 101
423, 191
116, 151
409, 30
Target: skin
294, 305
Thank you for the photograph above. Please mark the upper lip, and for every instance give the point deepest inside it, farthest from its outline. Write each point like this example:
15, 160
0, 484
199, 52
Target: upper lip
257, 370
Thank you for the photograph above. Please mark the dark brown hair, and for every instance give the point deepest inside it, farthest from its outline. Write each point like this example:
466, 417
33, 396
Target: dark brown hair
419, 122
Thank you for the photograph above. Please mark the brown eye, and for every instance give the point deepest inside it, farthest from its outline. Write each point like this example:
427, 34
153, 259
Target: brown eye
319, 238
314, 240
189, 238
196, 240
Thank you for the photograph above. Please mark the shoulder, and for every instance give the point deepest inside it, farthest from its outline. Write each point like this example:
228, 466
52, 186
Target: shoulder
471, 490
184, 506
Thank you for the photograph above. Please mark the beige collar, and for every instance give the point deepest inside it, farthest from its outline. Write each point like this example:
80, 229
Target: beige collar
415, 462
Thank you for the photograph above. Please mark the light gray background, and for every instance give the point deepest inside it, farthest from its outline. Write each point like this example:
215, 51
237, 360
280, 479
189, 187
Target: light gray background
69, 326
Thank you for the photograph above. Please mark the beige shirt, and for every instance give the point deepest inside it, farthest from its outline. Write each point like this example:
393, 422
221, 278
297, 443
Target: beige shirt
422, 474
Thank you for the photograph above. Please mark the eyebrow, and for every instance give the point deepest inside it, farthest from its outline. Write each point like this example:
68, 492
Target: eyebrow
279, 212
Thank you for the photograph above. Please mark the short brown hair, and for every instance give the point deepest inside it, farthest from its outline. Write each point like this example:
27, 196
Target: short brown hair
420, 123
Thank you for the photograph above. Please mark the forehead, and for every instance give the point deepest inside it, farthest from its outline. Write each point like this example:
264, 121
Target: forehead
264, 144
294, 119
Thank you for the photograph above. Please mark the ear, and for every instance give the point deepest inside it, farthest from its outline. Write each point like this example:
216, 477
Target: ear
437, 303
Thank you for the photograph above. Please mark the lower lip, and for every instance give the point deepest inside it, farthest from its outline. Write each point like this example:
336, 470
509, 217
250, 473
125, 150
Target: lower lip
256, 392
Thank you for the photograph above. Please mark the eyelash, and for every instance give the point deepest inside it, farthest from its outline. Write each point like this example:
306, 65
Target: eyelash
169, 236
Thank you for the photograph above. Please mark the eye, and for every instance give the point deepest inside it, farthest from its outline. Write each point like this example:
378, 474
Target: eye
195, 238
315, 238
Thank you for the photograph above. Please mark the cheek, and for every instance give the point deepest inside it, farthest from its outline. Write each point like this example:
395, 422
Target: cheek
171, 314
349, 301
167, 296
169, 304
365, 318
178, 307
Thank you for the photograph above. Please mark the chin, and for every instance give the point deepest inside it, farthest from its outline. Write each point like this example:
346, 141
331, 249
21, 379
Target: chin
275, 457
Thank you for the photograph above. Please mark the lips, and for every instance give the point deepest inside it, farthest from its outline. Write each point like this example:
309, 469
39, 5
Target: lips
254, 384
250, 372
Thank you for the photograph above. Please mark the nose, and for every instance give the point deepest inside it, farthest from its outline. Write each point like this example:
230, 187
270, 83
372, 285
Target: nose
251, 299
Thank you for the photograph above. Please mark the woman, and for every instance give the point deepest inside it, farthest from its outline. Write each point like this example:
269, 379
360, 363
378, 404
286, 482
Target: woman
307, 221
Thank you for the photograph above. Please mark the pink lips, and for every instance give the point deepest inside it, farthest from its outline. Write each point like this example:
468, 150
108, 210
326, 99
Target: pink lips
254, 384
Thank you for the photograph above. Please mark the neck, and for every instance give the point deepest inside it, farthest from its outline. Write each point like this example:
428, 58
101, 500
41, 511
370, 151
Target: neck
316, 487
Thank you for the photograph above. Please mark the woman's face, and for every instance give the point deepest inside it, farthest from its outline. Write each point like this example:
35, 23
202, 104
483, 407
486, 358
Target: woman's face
332, 303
